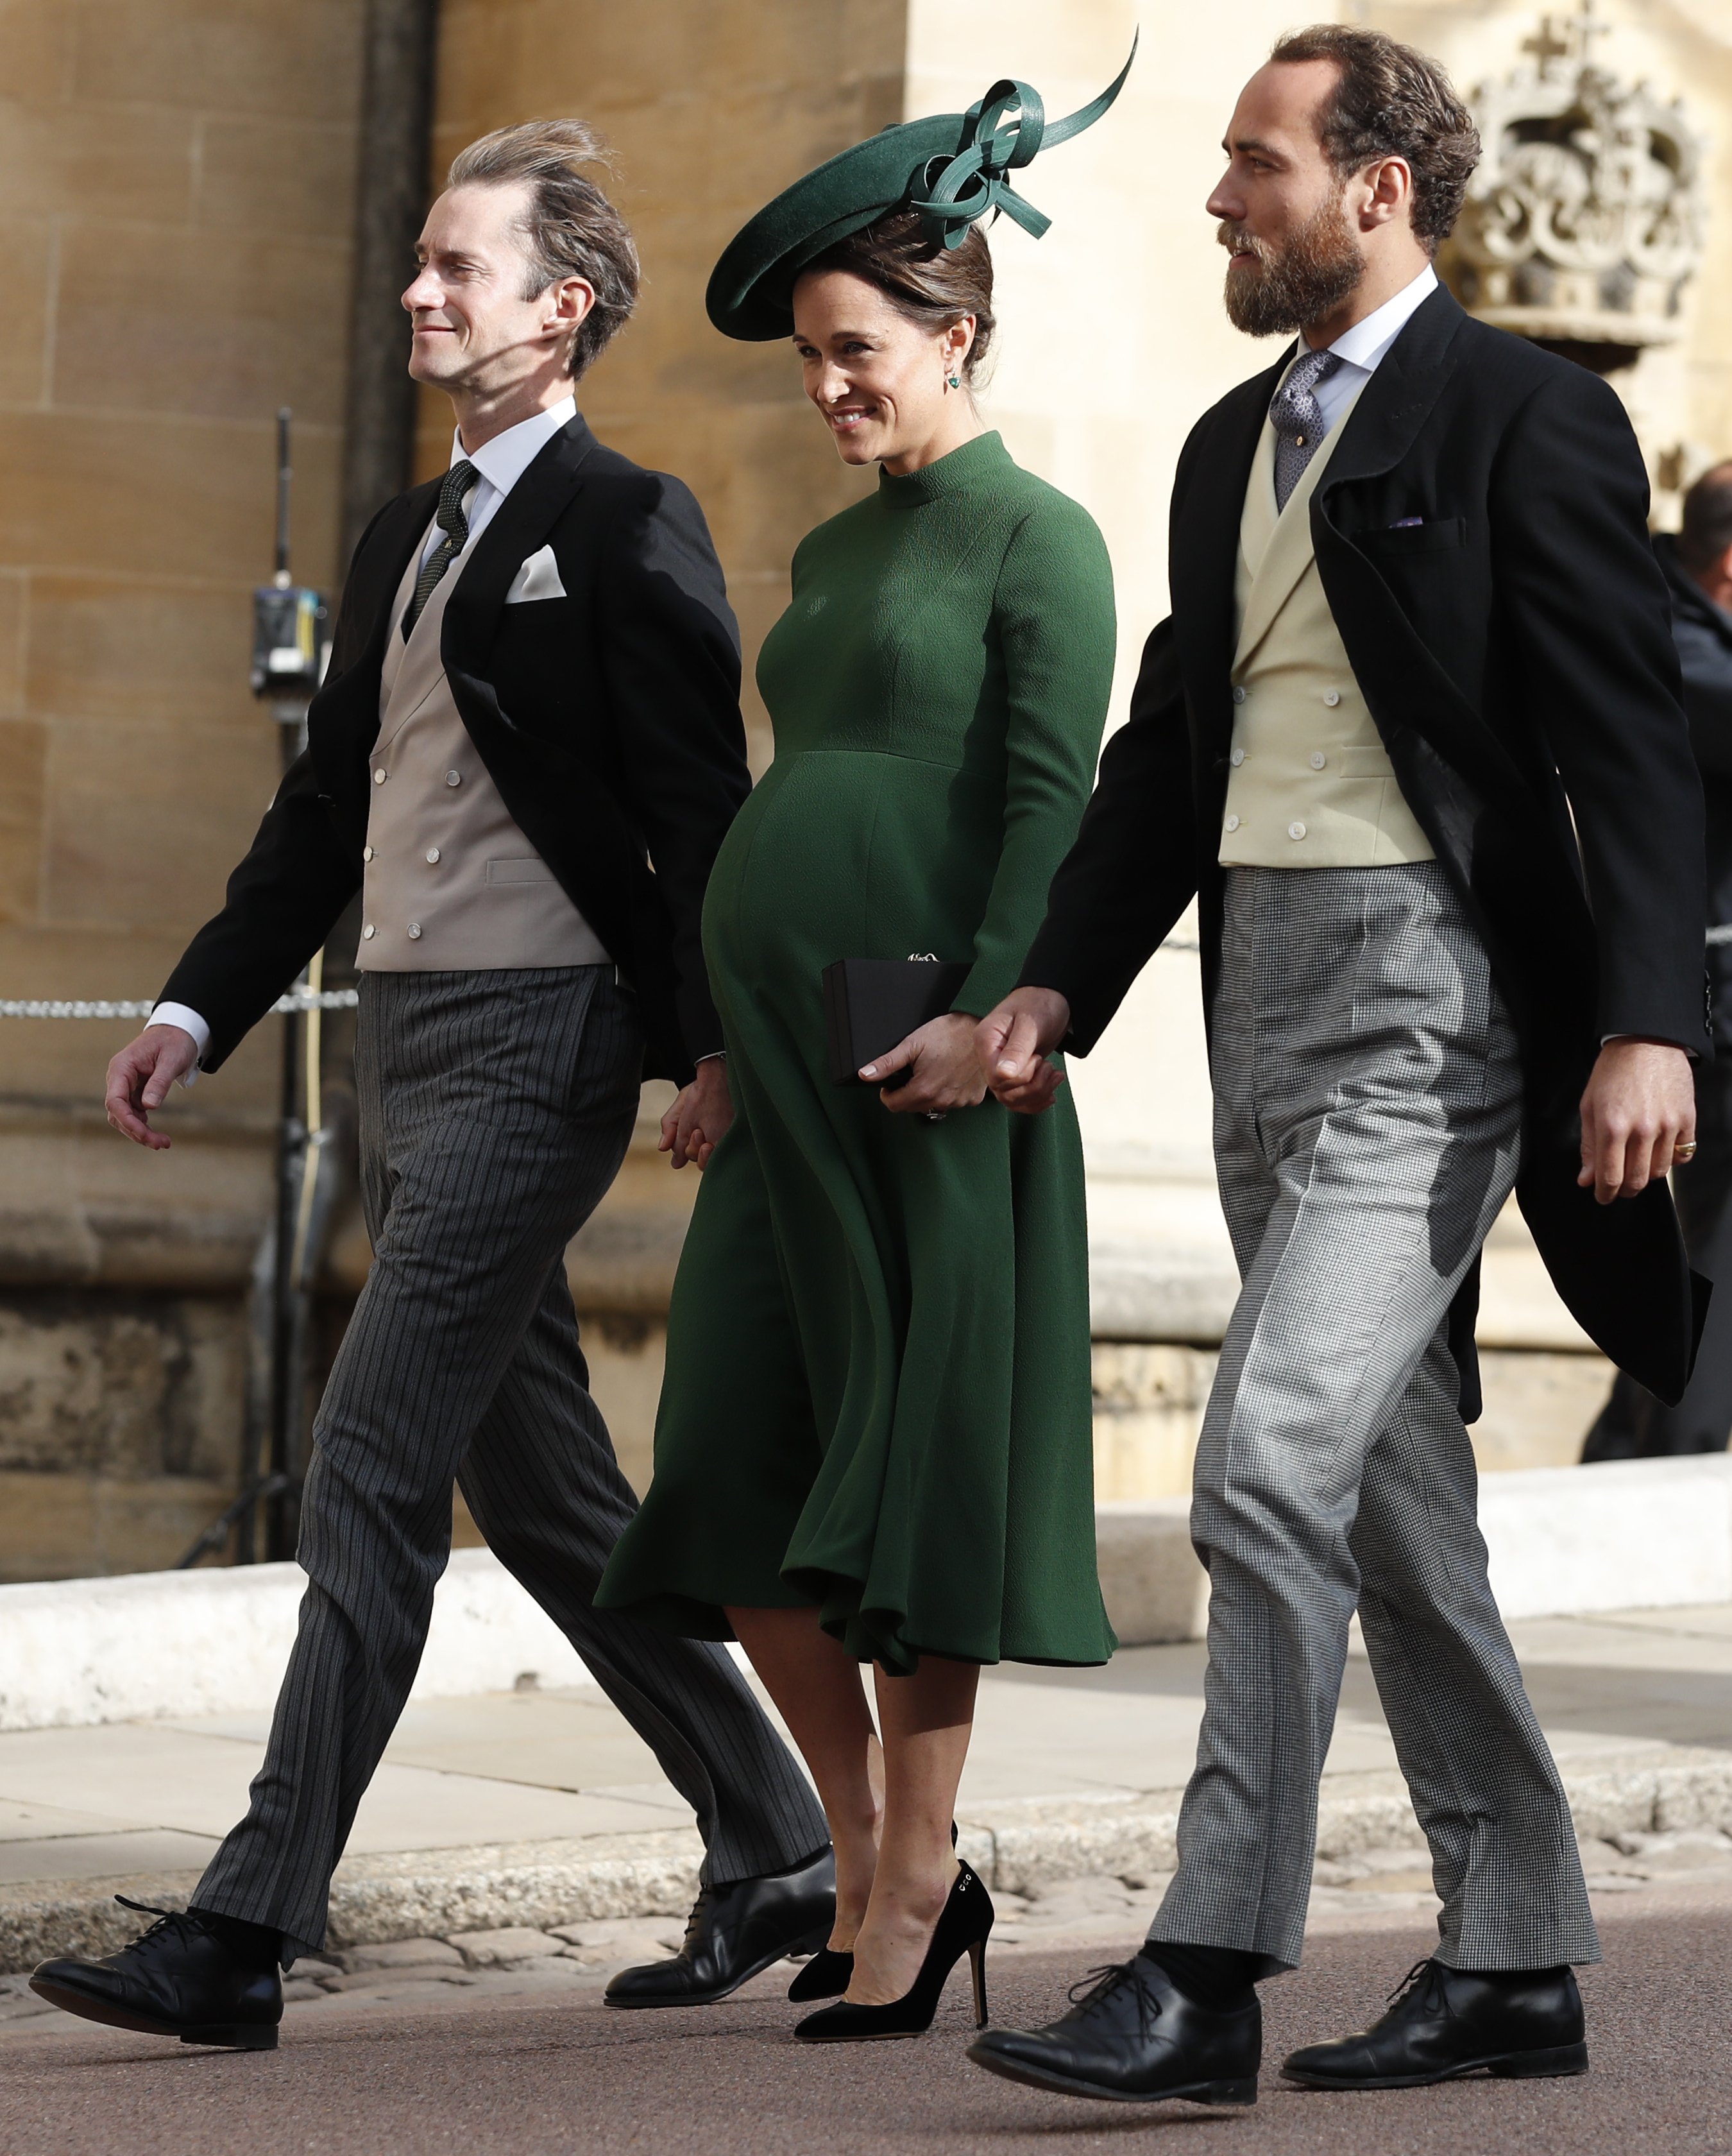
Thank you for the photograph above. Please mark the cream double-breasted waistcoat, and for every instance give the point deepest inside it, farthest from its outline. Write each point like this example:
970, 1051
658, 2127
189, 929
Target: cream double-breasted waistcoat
450, 883
1311, 784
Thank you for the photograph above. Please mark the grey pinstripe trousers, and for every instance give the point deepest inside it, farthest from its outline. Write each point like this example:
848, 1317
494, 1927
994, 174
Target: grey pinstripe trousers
1368, 1105
495, 1110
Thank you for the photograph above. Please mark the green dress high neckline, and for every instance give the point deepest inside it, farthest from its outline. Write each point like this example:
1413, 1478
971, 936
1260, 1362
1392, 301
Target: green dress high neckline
974, 463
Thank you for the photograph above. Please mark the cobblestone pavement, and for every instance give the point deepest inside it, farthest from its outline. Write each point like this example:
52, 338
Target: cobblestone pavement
464, 2048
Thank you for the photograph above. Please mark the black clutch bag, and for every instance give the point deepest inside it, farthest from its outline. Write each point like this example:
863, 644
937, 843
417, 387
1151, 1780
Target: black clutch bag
871, 1005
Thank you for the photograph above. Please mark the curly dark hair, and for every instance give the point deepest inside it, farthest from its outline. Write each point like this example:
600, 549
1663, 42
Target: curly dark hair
1392, 101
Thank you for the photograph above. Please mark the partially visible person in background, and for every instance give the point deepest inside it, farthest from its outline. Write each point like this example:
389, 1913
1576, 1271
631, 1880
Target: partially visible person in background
1698, 563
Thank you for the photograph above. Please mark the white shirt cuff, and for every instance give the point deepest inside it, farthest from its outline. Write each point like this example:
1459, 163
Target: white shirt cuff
189, 1022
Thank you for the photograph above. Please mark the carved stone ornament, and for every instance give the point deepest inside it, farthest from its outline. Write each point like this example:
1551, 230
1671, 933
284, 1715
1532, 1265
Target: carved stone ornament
1585, 219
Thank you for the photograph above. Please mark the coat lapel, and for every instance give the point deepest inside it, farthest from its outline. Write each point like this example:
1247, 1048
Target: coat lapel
1397, 400
344, 717
518, 528
1204, 550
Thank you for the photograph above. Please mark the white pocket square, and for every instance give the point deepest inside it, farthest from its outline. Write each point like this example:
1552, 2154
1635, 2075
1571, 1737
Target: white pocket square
537, 579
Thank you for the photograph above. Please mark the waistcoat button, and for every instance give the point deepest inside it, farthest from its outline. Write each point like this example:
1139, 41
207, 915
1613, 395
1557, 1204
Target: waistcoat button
454, 779
367, 852
378, 778
1332, 697
433, 853
368, 931
1238, 757
1295, 830
414, 930
1238, 696
1232, 823
1317, 759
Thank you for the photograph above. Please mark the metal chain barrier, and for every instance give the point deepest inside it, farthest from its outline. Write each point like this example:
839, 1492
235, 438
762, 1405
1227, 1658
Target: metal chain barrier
298, 1000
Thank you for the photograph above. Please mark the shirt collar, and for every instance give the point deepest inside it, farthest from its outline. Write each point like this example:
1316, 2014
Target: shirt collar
1364, 344
504, 460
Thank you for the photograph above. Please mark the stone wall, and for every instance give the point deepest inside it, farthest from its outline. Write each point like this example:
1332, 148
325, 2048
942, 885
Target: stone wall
175, 184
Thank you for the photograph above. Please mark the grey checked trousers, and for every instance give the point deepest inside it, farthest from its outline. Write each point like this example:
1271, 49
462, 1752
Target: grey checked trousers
495, 1110
1367, 1117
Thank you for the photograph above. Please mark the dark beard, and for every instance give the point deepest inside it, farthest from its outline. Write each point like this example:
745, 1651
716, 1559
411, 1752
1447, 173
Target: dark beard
1296, 285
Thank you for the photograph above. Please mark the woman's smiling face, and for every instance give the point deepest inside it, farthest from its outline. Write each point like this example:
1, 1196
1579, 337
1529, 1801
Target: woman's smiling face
880, 380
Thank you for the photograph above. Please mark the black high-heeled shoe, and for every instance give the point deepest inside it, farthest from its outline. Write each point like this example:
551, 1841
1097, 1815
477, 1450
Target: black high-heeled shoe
963, 1925
829, 1973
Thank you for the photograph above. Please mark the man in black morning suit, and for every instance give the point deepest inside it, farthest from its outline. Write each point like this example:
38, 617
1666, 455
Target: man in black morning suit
528, 751
1412, 737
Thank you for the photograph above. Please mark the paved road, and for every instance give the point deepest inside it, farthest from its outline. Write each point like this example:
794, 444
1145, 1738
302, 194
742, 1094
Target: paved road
565, 2076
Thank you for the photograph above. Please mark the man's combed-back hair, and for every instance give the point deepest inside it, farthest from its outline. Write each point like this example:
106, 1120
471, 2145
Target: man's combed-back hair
572, 229
1706, 537
1392, 101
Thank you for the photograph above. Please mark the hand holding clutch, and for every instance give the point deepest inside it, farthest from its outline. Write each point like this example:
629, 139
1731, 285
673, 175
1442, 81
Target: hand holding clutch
945, 1072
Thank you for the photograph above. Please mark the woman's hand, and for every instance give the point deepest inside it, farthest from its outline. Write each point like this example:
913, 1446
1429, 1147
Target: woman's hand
946, 1072
700, 1118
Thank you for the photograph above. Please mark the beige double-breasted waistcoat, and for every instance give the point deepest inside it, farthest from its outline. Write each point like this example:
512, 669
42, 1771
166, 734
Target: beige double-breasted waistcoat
1311, 784
450, 882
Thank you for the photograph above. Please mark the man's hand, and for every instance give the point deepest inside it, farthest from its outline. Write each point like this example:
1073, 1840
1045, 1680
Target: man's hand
1639, 1106
699, 1119
139, 1079
940, 1059
1013, 1042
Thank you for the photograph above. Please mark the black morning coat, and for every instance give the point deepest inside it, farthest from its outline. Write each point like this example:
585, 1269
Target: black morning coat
1702, 632
1514, 646
609, 720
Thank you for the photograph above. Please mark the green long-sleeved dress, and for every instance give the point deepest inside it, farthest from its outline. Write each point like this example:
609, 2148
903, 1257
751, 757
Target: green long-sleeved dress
877, 1398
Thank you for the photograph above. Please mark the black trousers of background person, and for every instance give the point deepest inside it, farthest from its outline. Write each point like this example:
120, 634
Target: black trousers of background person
1634, 1425
495, 1110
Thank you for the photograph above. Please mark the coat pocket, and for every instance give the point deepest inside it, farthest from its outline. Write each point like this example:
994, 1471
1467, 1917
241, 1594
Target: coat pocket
1436, 536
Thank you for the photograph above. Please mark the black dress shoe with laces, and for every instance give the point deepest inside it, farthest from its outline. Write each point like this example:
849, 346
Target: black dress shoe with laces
179, 1980
736, 1931
1522, 2025
1134, 2037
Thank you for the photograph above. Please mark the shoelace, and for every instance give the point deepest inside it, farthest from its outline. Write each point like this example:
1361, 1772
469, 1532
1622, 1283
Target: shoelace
1100, 1982
177, 1924
1425, 1970
694, 1923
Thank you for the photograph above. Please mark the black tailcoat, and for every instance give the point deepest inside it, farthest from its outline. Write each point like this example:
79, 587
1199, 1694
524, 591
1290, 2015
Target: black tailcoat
609, 720
1515, 647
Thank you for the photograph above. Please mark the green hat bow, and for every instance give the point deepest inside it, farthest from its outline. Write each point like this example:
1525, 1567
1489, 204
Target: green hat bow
958, 190
952, 168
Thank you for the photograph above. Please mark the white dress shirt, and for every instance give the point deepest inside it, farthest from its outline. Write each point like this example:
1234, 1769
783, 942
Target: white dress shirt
1360, 350
499, 465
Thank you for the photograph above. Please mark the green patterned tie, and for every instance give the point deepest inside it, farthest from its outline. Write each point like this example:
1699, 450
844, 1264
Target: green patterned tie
455, 525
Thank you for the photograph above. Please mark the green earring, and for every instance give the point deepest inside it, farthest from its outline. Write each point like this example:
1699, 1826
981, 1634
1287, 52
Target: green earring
955, 381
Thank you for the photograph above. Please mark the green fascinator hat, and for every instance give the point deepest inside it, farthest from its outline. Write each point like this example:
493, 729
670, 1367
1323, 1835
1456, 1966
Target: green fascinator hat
951, 170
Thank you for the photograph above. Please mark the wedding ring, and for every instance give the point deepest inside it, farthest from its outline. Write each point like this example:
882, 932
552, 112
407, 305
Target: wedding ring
934, 1115
1684, 1153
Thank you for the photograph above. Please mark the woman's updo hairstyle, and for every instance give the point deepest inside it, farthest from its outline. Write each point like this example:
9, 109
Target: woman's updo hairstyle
924, 282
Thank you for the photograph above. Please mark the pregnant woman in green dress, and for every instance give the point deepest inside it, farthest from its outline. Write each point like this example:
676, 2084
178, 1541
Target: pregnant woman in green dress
875, 1436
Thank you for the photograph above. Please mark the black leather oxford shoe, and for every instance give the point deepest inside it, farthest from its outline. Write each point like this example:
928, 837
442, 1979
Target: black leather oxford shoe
1134, 2037
179, 1980
734, 1932
1443, 2022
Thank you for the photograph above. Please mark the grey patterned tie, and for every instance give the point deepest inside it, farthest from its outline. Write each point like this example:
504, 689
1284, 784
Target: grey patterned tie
1298, 421
455, 525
